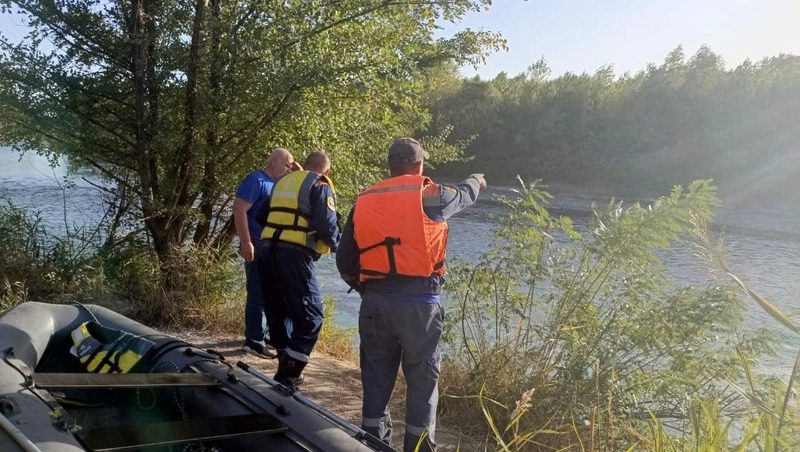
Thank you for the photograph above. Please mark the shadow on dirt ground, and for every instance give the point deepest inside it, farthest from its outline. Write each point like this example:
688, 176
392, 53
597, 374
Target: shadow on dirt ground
335, 385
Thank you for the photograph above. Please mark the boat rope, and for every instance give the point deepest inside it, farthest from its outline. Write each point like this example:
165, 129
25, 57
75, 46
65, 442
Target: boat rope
60, 417
176, 393
153, 402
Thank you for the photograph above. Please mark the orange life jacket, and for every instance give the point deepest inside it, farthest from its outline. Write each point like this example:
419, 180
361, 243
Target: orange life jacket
394, 235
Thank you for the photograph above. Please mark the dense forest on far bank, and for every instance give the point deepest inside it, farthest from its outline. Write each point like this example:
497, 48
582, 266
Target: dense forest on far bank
636, 134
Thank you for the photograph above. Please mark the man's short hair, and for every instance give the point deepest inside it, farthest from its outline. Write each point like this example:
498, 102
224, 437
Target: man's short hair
277, 151
400, 167
317, 161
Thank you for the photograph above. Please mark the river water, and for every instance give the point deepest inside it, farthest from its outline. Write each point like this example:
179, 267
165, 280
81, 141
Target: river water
764, 246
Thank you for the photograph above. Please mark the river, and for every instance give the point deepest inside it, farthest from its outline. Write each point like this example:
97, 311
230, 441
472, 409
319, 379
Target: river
763, 246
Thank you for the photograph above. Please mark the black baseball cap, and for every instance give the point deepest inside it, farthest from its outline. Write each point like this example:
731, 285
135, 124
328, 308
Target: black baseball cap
407, 149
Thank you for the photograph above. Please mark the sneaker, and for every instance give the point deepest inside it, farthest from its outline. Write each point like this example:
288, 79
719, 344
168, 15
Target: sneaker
254, 348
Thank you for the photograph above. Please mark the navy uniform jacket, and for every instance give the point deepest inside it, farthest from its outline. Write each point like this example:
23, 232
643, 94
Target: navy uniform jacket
451, 200
323, 214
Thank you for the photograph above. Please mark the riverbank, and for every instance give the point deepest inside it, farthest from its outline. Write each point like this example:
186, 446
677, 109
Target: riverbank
334, 384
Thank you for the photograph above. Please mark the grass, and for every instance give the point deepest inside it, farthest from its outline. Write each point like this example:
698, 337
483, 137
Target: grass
207, 293
335, 340
38, 265
605, 353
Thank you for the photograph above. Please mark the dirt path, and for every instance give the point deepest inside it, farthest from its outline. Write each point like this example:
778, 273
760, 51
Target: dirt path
335, 385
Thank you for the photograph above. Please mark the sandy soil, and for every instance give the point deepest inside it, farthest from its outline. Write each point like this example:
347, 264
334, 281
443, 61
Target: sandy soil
335, 385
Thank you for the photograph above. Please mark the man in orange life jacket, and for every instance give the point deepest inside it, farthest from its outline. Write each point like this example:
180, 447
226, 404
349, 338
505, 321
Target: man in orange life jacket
392, 251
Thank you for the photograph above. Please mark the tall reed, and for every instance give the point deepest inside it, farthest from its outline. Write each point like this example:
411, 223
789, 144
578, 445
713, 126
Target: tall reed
588, 324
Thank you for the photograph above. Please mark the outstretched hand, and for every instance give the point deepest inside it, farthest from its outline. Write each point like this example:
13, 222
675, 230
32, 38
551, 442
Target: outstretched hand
481, 180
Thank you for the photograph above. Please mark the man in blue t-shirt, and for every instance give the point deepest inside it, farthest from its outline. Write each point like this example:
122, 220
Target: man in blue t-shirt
249, 214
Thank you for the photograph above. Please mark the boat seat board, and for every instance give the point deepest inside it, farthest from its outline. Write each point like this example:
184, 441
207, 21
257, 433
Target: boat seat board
104, 381
130, 437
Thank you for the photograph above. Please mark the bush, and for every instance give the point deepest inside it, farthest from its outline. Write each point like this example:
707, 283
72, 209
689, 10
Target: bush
37, 265
207, 292
588, 326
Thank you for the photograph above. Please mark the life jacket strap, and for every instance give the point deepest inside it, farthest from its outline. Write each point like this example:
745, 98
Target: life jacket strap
116, 348
295, 226
389, 243
104, 350
281, 227
111, 359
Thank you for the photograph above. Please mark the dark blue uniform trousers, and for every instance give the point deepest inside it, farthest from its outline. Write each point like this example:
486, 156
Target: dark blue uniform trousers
292, 298
255, 325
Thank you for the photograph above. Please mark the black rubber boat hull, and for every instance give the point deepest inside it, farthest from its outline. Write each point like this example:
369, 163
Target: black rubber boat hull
240, 409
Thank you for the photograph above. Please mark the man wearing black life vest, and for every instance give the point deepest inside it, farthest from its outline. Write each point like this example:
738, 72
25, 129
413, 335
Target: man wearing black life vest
301, 226
393, 251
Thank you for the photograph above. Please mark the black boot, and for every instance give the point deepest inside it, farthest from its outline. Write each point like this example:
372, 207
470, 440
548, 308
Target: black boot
289, 371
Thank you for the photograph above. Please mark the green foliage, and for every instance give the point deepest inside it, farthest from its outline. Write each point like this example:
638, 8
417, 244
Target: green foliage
684, 119
333, 339
74, 266
37, 265
208, 292
588, 324
767, 418
708, 428
513, 436
755, 426
174, 102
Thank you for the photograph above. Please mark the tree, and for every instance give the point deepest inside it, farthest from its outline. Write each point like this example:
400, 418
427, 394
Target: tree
683, 119
174, 100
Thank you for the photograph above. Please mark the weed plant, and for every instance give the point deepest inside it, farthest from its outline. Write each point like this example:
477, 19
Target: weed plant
768, 415
37, 265
335, 340
590, 330
206, 292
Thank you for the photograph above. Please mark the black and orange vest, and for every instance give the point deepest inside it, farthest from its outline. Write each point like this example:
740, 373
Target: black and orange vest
394, 235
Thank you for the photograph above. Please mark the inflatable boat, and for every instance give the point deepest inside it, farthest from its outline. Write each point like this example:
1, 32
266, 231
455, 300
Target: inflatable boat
76, 378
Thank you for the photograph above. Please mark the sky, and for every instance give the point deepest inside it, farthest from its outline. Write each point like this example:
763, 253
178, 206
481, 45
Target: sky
583, 35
